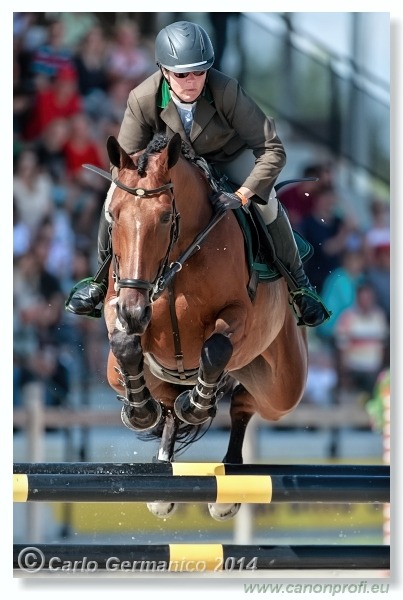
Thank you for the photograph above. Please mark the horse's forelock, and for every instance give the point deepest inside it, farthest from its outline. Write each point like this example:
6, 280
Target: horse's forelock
157, 144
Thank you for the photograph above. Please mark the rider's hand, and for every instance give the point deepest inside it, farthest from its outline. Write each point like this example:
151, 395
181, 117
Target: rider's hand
229, 201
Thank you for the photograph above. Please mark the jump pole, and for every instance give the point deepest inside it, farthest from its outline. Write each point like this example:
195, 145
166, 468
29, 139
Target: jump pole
255, 489
167, 469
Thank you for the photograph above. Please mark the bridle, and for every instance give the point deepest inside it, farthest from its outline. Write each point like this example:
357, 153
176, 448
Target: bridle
153, 287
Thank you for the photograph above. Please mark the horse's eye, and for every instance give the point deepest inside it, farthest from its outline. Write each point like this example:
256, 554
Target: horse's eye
166, 217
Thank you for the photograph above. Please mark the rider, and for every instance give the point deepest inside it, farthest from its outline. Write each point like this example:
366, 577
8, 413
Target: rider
223, 125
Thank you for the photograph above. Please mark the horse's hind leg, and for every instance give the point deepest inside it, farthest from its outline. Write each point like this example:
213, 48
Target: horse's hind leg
241, 412
198, 405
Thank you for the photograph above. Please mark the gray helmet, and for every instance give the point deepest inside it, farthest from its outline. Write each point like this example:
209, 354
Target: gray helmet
182, 47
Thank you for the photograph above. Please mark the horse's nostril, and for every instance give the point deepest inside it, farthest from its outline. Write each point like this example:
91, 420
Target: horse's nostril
134, 319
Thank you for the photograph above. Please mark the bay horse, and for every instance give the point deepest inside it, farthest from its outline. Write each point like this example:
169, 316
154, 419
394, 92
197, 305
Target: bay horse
182, 327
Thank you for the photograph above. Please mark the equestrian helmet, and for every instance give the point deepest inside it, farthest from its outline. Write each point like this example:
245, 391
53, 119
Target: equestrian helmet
182, 47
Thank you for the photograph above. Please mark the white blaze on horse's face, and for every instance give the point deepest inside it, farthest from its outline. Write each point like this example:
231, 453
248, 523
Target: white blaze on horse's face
108, 200
142, 238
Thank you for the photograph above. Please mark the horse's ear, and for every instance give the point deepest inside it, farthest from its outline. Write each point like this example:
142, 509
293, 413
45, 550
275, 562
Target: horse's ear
118, 157
174, 150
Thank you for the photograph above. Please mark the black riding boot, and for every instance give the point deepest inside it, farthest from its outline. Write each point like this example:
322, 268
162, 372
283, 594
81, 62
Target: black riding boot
305, 301
88, 293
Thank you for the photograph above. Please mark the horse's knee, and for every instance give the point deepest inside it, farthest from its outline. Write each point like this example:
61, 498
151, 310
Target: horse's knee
215, 355
126, 348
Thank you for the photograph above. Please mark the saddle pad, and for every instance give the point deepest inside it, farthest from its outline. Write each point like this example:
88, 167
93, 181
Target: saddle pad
266, 272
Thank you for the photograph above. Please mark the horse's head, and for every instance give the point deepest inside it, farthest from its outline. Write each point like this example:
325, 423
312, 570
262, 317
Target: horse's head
144, 227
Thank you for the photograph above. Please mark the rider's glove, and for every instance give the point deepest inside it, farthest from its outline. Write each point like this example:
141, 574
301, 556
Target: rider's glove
229, 201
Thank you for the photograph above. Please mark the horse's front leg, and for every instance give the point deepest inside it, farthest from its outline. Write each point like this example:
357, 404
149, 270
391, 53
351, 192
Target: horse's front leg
140, 410
199, 404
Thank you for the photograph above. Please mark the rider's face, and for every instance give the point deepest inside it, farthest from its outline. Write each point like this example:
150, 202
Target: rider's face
187, 88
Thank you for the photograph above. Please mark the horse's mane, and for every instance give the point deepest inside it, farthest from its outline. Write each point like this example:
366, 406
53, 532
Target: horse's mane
157, 144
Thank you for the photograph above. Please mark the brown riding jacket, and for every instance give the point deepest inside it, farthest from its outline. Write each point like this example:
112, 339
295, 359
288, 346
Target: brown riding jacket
226, 121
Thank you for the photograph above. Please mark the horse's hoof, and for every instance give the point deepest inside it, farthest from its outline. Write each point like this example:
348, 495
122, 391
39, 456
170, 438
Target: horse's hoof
162, 510
137, 423
223, 512
190, 414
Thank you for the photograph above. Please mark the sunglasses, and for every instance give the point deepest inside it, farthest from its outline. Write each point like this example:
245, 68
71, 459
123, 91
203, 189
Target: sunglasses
184, 75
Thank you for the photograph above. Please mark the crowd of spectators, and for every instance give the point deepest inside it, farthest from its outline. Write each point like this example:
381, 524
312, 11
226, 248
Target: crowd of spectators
350, 268
72, 77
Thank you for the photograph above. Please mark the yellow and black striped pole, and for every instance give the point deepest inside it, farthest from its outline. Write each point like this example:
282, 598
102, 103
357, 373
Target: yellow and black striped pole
193, 488
197, 558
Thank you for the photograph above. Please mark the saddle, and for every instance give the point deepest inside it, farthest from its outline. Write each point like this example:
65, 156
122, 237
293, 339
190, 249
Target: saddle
258, 249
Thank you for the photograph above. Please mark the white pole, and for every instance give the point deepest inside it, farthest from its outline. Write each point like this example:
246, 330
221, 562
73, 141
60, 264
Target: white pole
34, 403
243, 525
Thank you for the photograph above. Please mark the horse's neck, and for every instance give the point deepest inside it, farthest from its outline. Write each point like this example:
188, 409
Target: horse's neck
191, 194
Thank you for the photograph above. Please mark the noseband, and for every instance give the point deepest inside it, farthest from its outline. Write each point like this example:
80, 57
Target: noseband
174, 233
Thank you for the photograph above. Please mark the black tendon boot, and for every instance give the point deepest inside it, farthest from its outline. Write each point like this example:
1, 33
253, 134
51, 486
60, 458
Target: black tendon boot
305, 301
88, 293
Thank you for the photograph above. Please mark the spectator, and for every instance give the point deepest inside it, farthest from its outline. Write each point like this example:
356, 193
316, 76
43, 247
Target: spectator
82, 148
22, 93
115, 105
51, 57
378, 233
76, 25
299, 198
61, 239
339, 290
49, 148
361, 334
90, 61
86, 190
28, 32
127, 59
60, 100
38, 310
32, 191
322, 376
329, 233
378, 274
